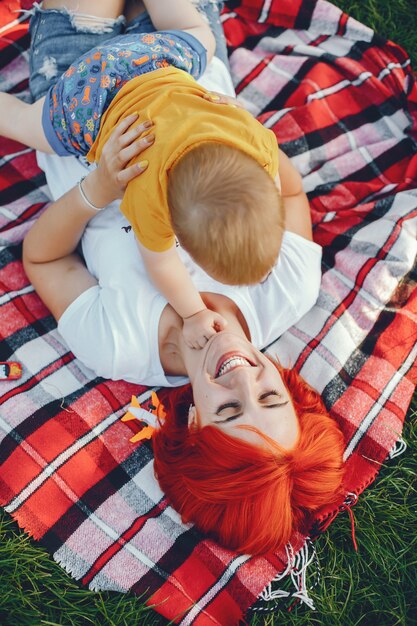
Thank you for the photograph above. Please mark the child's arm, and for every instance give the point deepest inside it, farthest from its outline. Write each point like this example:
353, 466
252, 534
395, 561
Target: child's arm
297, 208
23, 122
171, 278
181, 15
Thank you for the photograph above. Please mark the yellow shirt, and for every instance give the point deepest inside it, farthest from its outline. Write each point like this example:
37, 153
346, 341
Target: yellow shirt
183, 119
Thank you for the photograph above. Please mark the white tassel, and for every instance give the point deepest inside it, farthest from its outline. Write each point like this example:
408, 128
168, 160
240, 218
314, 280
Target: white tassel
297, 566
398, 448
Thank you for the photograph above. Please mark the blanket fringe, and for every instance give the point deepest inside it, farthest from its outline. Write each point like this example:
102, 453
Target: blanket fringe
297, 566
70, 566
398, 448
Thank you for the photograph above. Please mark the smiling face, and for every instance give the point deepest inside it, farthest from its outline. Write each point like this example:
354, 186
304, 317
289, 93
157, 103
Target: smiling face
234, 386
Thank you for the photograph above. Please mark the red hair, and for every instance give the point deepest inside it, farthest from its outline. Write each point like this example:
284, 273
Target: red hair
250, 498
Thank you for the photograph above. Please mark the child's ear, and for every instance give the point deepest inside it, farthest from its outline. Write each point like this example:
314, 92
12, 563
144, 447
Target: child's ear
192, 418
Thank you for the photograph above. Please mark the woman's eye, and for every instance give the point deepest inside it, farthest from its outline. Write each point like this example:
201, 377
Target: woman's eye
228, 411
233, 415
271, 398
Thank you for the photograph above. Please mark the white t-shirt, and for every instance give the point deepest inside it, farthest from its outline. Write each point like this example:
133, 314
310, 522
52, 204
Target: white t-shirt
113, 327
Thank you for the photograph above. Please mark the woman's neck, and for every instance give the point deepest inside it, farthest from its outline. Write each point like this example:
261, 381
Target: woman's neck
171, 343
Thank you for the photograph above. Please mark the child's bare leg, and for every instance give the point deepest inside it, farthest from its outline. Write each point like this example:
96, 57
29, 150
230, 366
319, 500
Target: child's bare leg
132, 9
98, 8
23, 122
181, 15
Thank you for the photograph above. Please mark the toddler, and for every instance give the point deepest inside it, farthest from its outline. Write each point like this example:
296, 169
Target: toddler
210, 180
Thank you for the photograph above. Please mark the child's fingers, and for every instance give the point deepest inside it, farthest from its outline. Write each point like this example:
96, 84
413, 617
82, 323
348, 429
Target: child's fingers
191, 344
136, 148
203, 339
196, 343
126, 175
219, 323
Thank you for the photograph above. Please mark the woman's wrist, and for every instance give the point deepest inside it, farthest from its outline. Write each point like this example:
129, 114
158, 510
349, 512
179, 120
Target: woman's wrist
95, 192
84, 197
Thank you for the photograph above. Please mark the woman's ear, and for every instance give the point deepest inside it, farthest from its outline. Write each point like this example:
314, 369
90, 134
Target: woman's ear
192, 418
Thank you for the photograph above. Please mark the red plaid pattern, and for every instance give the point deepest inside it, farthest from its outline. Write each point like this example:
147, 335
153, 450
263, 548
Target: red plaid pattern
342, 103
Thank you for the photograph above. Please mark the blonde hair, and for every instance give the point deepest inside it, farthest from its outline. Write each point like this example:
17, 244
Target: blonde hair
226, 212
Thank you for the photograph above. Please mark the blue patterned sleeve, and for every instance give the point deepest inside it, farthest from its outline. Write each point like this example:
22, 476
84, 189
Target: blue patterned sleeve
192, 48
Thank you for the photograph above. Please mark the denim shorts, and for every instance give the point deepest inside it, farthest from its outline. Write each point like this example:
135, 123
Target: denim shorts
57, 40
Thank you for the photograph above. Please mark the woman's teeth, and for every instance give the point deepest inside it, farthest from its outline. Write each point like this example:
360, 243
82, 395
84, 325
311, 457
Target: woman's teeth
231, 363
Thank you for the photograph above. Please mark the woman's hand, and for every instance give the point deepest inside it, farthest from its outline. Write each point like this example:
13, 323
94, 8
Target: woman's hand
219, 98
108, 182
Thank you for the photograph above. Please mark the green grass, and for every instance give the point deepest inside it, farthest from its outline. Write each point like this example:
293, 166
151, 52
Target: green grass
375, 586
396, 20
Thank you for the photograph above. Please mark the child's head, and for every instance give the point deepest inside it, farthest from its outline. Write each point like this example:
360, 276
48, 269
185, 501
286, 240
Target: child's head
226, 212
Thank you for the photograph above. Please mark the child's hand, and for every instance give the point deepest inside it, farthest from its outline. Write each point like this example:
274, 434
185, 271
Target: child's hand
125, 143
201, 326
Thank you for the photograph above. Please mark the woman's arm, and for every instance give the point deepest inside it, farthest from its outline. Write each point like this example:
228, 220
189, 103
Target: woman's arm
297, 208
181, 15
57, 273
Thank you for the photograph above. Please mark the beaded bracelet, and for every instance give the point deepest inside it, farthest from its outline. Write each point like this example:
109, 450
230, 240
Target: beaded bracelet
84, 197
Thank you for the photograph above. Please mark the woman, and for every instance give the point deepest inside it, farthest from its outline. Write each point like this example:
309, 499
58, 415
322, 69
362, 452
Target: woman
247, 452
256, 453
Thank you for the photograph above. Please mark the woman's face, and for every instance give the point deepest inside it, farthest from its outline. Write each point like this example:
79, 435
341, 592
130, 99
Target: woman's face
235, 385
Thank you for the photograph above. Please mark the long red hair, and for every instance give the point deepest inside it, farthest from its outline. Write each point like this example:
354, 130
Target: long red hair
250, 498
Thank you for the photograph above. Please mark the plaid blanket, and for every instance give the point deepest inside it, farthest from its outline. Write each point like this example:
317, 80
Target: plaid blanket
342, 102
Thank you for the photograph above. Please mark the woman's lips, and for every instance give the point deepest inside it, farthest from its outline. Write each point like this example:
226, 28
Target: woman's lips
227, 359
